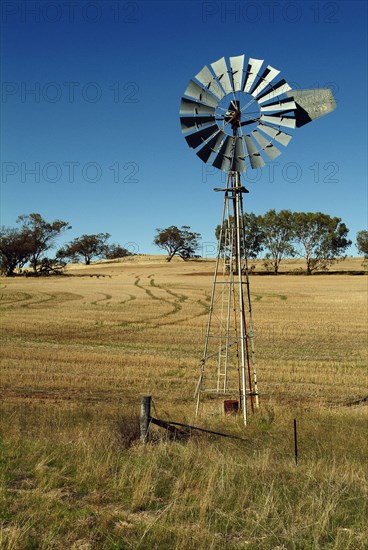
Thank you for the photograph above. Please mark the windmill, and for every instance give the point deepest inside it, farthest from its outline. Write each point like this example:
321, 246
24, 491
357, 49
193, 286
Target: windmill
235, 115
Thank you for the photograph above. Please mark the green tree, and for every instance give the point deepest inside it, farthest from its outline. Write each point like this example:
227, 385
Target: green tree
42, 235
177, 241
252, 237
362, 243
86, 247
15, 249
116, 251
321, 238
277, 237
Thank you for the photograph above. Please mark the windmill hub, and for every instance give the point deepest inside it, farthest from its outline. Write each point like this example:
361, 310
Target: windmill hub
234, 115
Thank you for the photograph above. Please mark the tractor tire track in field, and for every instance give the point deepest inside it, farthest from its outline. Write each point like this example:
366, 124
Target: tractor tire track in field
179, 299
151, 321
108, 297
182, 298
105, 299
33, 301
14, 298
129, 299
176, 306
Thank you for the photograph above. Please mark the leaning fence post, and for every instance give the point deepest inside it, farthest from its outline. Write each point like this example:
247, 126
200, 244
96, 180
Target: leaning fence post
145, 417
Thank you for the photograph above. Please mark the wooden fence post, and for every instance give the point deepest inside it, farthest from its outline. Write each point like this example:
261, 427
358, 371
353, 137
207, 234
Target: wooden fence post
145, 418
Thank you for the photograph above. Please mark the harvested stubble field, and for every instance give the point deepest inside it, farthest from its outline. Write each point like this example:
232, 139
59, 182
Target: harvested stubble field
79, 351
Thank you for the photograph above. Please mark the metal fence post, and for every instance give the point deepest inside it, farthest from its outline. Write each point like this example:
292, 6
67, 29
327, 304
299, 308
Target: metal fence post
295, 443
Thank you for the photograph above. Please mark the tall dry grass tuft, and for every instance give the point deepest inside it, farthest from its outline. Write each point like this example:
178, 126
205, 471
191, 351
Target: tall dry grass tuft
128, 429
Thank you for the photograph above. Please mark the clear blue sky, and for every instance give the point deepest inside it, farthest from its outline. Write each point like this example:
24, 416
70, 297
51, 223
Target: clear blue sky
98, 141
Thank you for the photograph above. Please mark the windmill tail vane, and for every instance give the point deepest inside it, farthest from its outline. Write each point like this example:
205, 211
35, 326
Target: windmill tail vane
236, 115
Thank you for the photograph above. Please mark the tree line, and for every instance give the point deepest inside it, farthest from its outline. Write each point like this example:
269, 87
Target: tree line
319, 238
30, 243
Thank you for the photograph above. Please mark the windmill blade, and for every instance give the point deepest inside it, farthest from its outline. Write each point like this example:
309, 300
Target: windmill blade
312, 104
281, 120
211, 147
195, 122
236, 66
256, 161
270, 150
206, 78
280, 105
278, 89
267, 77
197, 92
220, 69
224, 157
250, 121
199, 137
239, 156
278, 135
254, 66
190, 107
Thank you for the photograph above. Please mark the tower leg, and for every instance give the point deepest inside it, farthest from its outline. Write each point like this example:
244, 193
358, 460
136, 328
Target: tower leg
238, 226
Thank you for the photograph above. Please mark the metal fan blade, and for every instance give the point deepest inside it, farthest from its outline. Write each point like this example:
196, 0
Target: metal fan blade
281, 105
236, 66
206, 78
278, 89
223, 159
266, 78
211, 147
199, 137
250, 121
270, 150
195, 122
256, 161
201, 94
288, 122
221, 71
279, 136
254, 66
312, 104
239, 156
190, 107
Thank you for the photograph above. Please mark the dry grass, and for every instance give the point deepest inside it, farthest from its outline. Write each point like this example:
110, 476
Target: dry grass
79, 351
